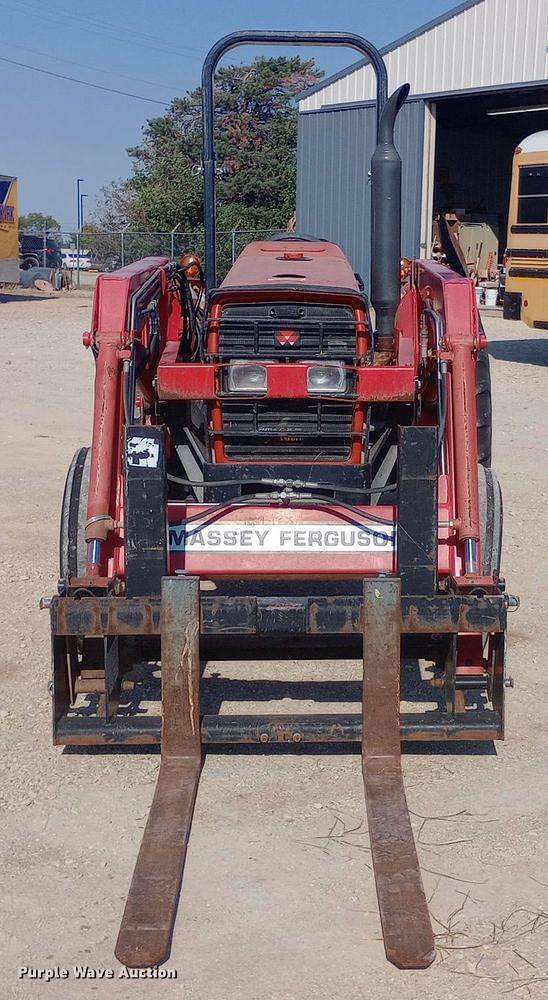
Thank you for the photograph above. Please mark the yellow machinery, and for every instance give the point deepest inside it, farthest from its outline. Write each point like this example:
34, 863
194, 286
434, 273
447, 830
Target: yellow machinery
526, 289
9, 230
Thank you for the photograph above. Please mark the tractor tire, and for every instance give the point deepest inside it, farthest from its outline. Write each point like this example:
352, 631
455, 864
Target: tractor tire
491, 516
483, 406
72, 541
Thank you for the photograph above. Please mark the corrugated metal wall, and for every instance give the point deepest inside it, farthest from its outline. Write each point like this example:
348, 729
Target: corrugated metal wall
489, 44
333, 186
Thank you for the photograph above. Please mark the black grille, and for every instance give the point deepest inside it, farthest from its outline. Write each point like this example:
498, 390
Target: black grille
321, 331
303, 428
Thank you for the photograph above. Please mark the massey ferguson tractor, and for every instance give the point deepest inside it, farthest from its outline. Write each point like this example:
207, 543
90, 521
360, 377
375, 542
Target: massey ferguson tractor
278, 462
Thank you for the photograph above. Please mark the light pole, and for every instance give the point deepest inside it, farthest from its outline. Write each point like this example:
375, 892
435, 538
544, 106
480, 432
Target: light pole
79, 180
82, 196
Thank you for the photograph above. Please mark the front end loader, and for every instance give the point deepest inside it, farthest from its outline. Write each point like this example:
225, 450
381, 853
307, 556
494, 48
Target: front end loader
272, 467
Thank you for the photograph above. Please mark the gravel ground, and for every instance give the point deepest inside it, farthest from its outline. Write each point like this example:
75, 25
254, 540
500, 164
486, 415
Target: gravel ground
278, 898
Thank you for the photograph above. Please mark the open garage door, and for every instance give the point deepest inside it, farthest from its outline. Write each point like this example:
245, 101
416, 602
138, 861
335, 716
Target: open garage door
476, 136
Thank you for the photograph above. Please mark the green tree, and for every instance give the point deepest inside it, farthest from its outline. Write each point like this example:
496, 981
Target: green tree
256, 140
35, 222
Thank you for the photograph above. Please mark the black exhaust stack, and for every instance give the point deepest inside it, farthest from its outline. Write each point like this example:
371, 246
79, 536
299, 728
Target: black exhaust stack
386, 223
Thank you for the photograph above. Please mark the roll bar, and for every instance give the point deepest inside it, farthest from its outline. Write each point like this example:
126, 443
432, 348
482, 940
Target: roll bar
386, 218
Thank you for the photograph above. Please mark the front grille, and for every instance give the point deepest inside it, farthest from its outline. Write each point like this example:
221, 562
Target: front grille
261, 331
273, 429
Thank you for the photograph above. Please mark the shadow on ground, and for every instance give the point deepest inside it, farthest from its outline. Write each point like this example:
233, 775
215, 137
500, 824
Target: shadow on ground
525, 352
16, 297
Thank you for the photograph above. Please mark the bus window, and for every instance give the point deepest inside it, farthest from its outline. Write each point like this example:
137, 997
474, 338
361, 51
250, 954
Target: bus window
533, 194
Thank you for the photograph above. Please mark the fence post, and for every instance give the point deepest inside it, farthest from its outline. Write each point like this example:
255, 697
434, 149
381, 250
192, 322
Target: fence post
233, 245
172, 234
45, 245
123, 244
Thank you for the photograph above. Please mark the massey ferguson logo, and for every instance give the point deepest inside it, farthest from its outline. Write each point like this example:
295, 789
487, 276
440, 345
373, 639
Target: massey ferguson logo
305, 538
287, 338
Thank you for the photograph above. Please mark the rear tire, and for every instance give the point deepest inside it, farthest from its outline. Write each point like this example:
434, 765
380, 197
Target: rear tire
72, 541
484, 409
491, 517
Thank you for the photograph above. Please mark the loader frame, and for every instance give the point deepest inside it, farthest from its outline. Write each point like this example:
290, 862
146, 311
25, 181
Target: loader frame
108, 618
384, 618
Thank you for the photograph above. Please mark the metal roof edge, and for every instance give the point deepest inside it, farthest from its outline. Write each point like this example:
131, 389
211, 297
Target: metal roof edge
433, 23
350, 105
436, 95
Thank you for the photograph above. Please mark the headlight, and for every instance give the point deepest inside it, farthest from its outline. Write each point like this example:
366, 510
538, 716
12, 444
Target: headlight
328, 379
246, 377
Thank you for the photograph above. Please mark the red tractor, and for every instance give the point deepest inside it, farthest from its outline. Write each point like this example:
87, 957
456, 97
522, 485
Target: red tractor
271, 466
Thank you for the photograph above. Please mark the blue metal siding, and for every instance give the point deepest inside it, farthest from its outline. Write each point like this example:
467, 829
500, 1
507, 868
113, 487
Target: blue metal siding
333, 186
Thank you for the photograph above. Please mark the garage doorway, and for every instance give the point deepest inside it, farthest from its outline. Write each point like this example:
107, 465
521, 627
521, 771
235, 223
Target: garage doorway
475, 140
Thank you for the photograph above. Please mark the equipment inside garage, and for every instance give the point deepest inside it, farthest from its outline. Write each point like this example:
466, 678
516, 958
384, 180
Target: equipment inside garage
475, 141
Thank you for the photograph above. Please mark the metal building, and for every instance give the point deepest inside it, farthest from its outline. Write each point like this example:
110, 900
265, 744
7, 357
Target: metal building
479, 84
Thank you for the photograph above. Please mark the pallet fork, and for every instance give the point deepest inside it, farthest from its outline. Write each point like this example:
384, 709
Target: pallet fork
180, 616
149, 916
151, 906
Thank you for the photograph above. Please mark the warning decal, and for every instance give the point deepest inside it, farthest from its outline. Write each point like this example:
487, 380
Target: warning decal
143, 452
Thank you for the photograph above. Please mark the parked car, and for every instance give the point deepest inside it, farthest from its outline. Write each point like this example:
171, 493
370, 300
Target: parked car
70, 258
106, 262
33, 253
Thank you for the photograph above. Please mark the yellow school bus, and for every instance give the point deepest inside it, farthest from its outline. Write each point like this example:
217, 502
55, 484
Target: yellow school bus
526, 287
9, 230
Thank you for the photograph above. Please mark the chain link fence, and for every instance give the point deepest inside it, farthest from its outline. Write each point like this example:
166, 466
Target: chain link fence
96, 251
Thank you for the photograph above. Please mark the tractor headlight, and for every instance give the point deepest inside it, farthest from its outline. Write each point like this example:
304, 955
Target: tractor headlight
329, 379
246, 377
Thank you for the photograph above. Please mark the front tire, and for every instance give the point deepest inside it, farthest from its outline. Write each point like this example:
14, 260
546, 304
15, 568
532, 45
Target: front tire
72, 540
491, 517
484, 422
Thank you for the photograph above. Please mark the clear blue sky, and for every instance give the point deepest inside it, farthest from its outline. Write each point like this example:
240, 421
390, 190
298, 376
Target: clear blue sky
54, 131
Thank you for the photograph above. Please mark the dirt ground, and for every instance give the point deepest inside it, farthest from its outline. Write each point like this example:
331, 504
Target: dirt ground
278, 898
